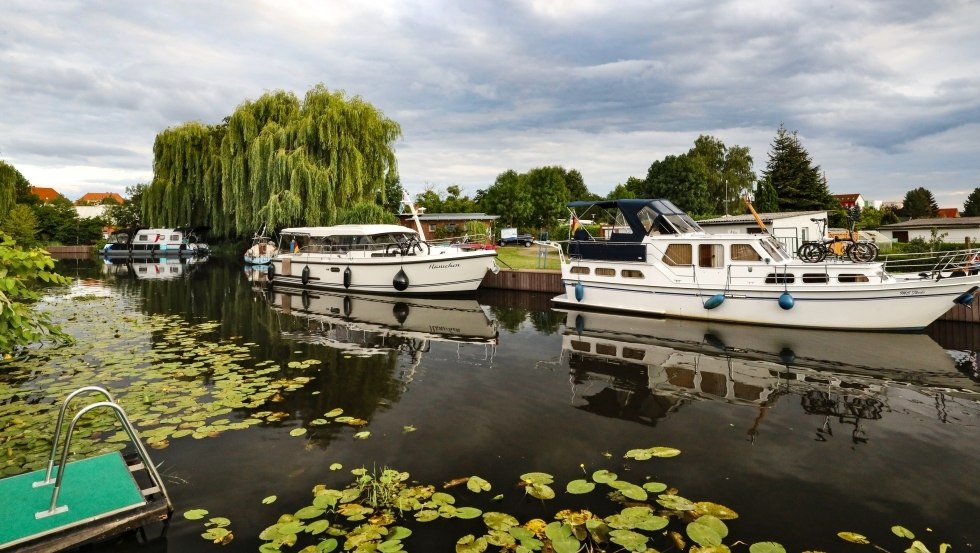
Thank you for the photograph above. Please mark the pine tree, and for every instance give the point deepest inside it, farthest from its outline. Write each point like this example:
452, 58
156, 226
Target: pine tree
919, 203
796, 181
972, 206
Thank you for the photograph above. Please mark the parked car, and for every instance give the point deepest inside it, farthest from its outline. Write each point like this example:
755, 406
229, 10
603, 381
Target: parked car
522, 239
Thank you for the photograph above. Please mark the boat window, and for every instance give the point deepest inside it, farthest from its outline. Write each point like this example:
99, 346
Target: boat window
605, 271
579, 270
174, 237
711, 255
744, 252
780, 278
142, 238
633, 353
647, 217
605, 349
815, 278
631, 273
678, 254
852, 278
579, 345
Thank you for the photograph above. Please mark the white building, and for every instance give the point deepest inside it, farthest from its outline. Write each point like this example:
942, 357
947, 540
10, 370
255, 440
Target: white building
957, 229
792, 228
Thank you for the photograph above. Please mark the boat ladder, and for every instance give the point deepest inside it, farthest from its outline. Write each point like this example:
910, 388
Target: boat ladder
88, 499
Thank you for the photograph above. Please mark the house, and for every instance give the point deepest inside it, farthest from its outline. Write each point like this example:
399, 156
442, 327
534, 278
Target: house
444, 225
957, 229
96, 198
791, 228
45, 194
847, 201
948, 213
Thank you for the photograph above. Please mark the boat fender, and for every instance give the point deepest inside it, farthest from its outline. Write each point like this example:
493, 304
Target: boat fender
348, 306
400, 310
270, 274
714, 301
306, 275
579, 324
966, 298
579, 291
786, 301
400, 282
347, 277
306, 300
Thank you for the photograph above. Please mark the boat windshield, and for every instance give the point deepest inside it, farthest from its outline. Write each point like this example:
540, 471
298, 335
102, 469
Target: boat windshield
772, 249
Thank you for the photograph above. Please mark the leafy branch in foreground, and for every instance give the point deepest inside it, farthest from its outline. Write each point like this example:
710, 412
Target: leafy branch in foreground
20, 270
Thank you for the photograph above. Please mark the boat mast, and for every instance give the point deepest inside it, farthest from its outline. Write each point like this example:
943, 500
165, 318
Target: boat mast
415, 216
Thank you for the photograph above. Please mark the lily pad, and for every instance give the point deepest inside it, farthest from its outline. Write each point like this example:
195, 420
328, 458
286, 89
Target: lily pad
579, 486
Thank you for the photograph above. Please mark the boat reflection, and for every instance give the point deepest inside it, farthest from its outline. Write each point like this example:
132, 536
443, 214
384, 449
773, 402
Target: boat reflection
366, 325
151, 268
642, 369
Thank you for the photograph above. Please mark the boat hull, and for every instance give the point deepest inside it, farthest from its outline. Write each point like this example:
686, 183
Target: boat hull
452, 272
901, 305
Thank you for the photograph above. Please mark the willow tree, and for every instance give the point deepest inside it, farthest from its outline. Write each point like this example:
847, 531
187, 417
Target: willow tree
8, 187
275, 161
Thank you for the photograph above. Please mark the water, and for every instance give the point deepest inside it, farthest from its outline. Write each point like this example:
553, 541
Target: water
805, 434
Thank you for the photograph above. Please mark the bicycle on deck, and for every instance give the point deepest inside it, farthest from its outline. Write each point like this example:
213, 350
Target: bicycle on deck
858, 251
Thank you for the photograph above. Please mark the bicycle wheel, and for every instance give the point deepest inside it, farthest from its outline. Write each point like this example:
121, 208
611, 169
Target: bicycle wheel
862, 252
811, 252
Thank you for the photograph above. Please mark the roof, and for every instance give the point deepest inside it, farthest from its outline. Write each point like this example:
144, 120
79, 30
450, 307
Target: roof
847, 197
96, 197
749, 219
347, 230
452, 217
938, 222
45, 194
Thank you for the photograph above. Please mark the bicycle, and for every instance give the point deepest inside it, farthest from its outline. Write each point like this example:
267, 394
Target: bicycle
858, 251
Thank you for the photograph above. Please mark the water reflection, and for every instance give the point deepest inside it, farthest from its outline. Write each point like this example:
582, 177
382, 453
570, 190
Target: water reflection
370, 325
161, 268
644, 369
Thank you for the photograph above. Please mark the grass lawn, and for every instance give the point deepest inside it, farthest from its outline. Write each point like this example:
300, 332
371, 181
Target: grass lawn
519, 257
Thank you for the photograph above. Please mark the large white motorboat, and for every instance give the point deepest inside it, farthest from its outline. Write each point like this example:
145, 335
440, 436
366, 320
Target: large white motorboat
655, 260
155, 243
379, 259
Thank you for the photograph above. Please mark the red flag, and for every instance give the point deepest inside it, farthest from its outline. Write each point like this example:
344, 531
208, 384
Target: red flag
575, 224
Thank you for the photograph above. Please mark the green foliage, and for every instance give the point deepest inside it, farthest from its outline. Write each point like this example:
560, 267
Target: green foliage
766, 197
798, 184
681, 179
510, 198
274, 162
727, 173
625, 191
58, 223
20, 224
919, 203
129, 213
8, 188
532, 200
972, 206
364, 213
549, 196
20, 271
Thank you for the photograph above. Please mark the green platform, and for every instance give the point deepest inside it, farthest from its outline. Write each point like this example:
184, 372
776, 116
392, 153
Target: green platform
92, 489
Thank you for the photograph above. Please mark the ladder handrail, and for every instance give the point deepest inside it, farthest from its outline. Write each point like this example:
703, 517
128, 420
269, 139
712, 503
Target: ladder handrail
133, 436
61, 419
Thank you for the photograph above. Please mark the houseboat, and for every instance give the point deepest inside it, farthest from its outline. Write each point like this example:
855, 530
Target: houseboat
155, 242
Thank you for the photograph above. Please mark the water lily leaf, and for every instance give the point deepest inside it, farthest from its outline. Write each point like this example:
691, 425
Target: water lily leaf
308, 512
443, 498
654, 487
297, 432
219, 522
399, 533
426, 515
317, 527
336, 466
853, 537
471, 544
766, 547
319, 422
903, 532
468, 512
703, 534
408, 428
917, 547
537, 478
648, 453
715, 510
221, 536
326, 546
714, 523
633, 541
500, 521
195, 514
363, 435
540, 491
476, 484
501, 538
603, 476
579, 486
675, 502
333, 413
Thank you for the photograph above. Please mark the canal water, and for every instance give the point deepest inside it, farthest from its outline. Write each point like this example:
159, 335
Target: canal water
239, 390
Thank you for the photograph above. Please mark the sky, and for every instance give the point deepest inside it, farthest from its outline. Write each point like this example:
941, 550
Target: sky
884, 95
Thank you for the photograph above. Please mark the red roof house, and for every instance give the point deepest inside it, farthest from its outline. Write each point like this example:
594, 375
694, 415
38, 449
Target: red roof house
94, 198
44, 194
847, 201
948, 213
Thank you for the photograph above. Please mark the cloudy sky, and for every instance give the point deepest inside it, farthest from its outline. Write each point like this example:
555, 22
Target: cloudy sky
885, 95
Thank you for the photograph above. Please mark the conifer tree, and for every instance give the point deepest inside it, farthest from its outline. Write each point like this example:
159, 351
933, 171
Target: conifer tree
796, 181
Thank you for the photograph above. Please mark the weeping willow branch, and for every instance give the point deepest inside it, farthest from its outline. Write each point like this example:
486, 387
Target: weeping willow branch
274, 161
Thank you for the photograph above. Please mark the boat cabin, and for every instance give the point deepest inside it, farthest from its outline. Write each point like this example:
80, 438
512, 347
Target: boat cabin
345, 238
633, 221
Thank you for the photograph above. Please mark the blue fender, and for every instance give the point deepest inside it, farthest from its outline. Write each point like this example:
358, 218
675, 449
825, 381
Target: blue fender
714, 301
579, 291
786, 301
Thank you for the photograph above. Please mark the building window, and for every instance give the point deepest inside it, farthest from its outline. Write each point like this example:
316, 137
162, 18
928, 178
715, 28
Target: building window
902, 236
432, 228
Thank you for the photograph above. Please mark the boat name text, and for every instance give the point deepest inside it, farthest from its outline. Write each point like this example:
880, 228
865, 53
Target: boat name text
911, 292
443, 265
